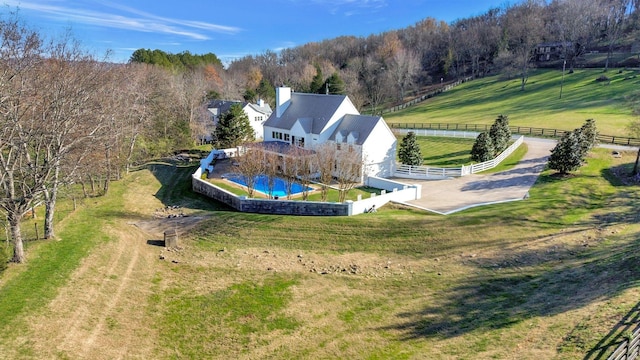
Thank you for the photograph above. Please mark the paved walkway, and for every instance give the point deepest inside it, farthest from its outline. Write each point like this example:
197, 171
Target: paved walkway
449, 196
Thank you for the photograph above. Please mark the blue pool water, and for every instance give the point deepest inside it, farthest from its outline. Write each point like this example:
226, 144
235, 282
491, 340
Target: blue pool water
261, 184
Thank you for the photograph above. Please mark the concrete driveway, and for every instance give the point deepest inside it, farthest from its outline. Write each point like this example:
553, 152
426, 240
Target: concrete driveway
449, 196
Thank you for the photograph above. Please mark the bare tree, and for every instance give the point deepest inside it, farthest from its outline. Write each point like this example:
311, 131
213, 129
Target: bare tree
615, 15
304, 164
325, 162
576, 24
290, 170
523, 27
403, 67
69, 82
250, 165
23, 170
348, 169
273, 164
373, 76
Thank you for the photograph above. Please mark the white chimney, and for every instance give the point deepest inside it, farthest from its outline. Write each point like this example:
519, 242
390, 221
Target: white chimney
260, 102
283, 99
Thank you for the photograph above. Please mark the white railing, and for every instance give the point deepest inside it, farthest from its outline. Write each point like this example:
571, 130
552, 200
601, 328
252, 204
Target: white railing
427, 172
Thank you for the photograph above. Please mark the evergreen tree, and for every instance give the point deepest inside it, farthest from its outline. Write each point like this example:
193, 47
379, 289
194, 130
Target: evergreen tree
409, 152
250, 95
317, 83
565, 156
233, 129
483, 149
334, 85
500, 133
266, 91
588, 137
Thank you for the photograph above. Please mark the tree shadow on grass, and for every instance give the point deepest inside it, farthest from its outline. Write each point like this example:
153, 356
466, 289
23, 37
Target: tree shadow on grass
513, 291
450, 155
490, 183
616, 335
175, 188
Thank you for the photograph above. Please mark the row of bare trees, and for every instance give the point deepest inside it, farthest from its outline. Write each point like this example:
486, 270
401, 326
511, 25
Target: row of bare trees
383, 67
68, 117
326, 166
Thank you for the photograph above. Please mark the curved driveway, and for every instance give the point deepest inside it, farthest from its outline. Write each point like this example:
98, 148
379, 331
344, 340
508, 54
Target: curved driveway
448, 196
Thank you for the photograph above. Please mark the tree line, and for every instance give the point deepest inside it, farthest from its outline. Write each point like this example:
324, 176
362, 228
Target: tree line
68, 117
385, 68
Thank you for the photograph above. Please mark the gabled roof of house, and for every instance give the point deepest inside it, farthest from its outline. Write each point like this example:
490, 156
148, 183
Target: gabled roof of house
266, 109
222, 105
317, 108
280, 147
359, 126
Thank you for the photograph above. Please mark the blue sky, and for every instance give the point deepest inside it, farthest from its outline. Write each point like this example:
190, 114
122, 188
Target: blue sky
229, 29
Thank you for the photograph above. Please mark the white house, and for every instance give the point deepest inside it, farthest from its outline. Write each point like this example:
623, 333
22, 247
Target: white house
257, 113
309, 120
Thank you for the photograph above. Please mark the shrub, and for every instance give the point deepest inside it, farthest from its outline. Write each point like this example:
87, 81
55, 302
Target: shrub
409, 152
603, 78
483, 149
587, 137
500, 133
566, 155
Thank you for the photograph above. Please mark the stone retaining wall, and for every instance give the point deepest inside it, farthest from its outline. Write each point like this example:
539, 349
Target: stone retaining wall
267, 206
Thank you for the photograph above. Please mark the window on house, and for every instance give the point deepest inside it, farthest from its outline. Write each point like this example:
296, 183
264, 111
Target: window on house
338, 146
286, 137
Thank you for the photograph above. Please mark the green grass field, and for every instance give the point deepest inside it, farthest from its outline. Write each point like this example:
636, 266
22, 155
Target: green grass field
552, 277
481, 101
445, 151
547, 278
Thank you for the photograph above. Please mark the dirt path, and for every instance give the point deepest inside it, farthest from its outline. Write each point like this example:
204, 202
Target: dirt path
100, 313
103, 312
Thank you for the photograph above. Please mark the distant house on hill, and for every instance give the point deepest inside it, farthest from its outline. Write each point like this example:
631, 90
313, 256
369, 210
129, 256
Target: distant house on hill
551, 51
257, 113
310, 120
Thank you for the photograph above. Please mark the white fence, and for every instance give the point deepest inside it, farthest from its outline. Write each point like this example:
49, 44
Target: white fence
392, 191
427, 172
442, 133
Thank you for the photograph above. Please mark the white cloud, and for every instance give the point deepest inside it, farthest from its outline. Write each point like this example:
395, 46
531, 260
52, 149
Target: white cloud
128, 19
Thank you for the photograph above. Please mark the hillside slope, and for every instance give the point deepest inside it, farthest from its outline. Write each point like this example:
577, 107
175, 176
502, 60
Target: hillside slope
540, 105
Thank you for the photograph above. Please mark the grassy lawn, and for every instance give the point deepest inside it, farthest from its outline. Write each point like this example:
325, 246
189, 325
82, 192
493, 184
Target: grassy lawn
454, 287
445, 151
481, 100
548, 278
552, 277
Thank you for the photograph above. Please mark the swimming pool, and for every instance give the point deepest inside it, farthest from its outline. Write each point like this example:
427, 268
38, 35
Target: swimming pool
262, 185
